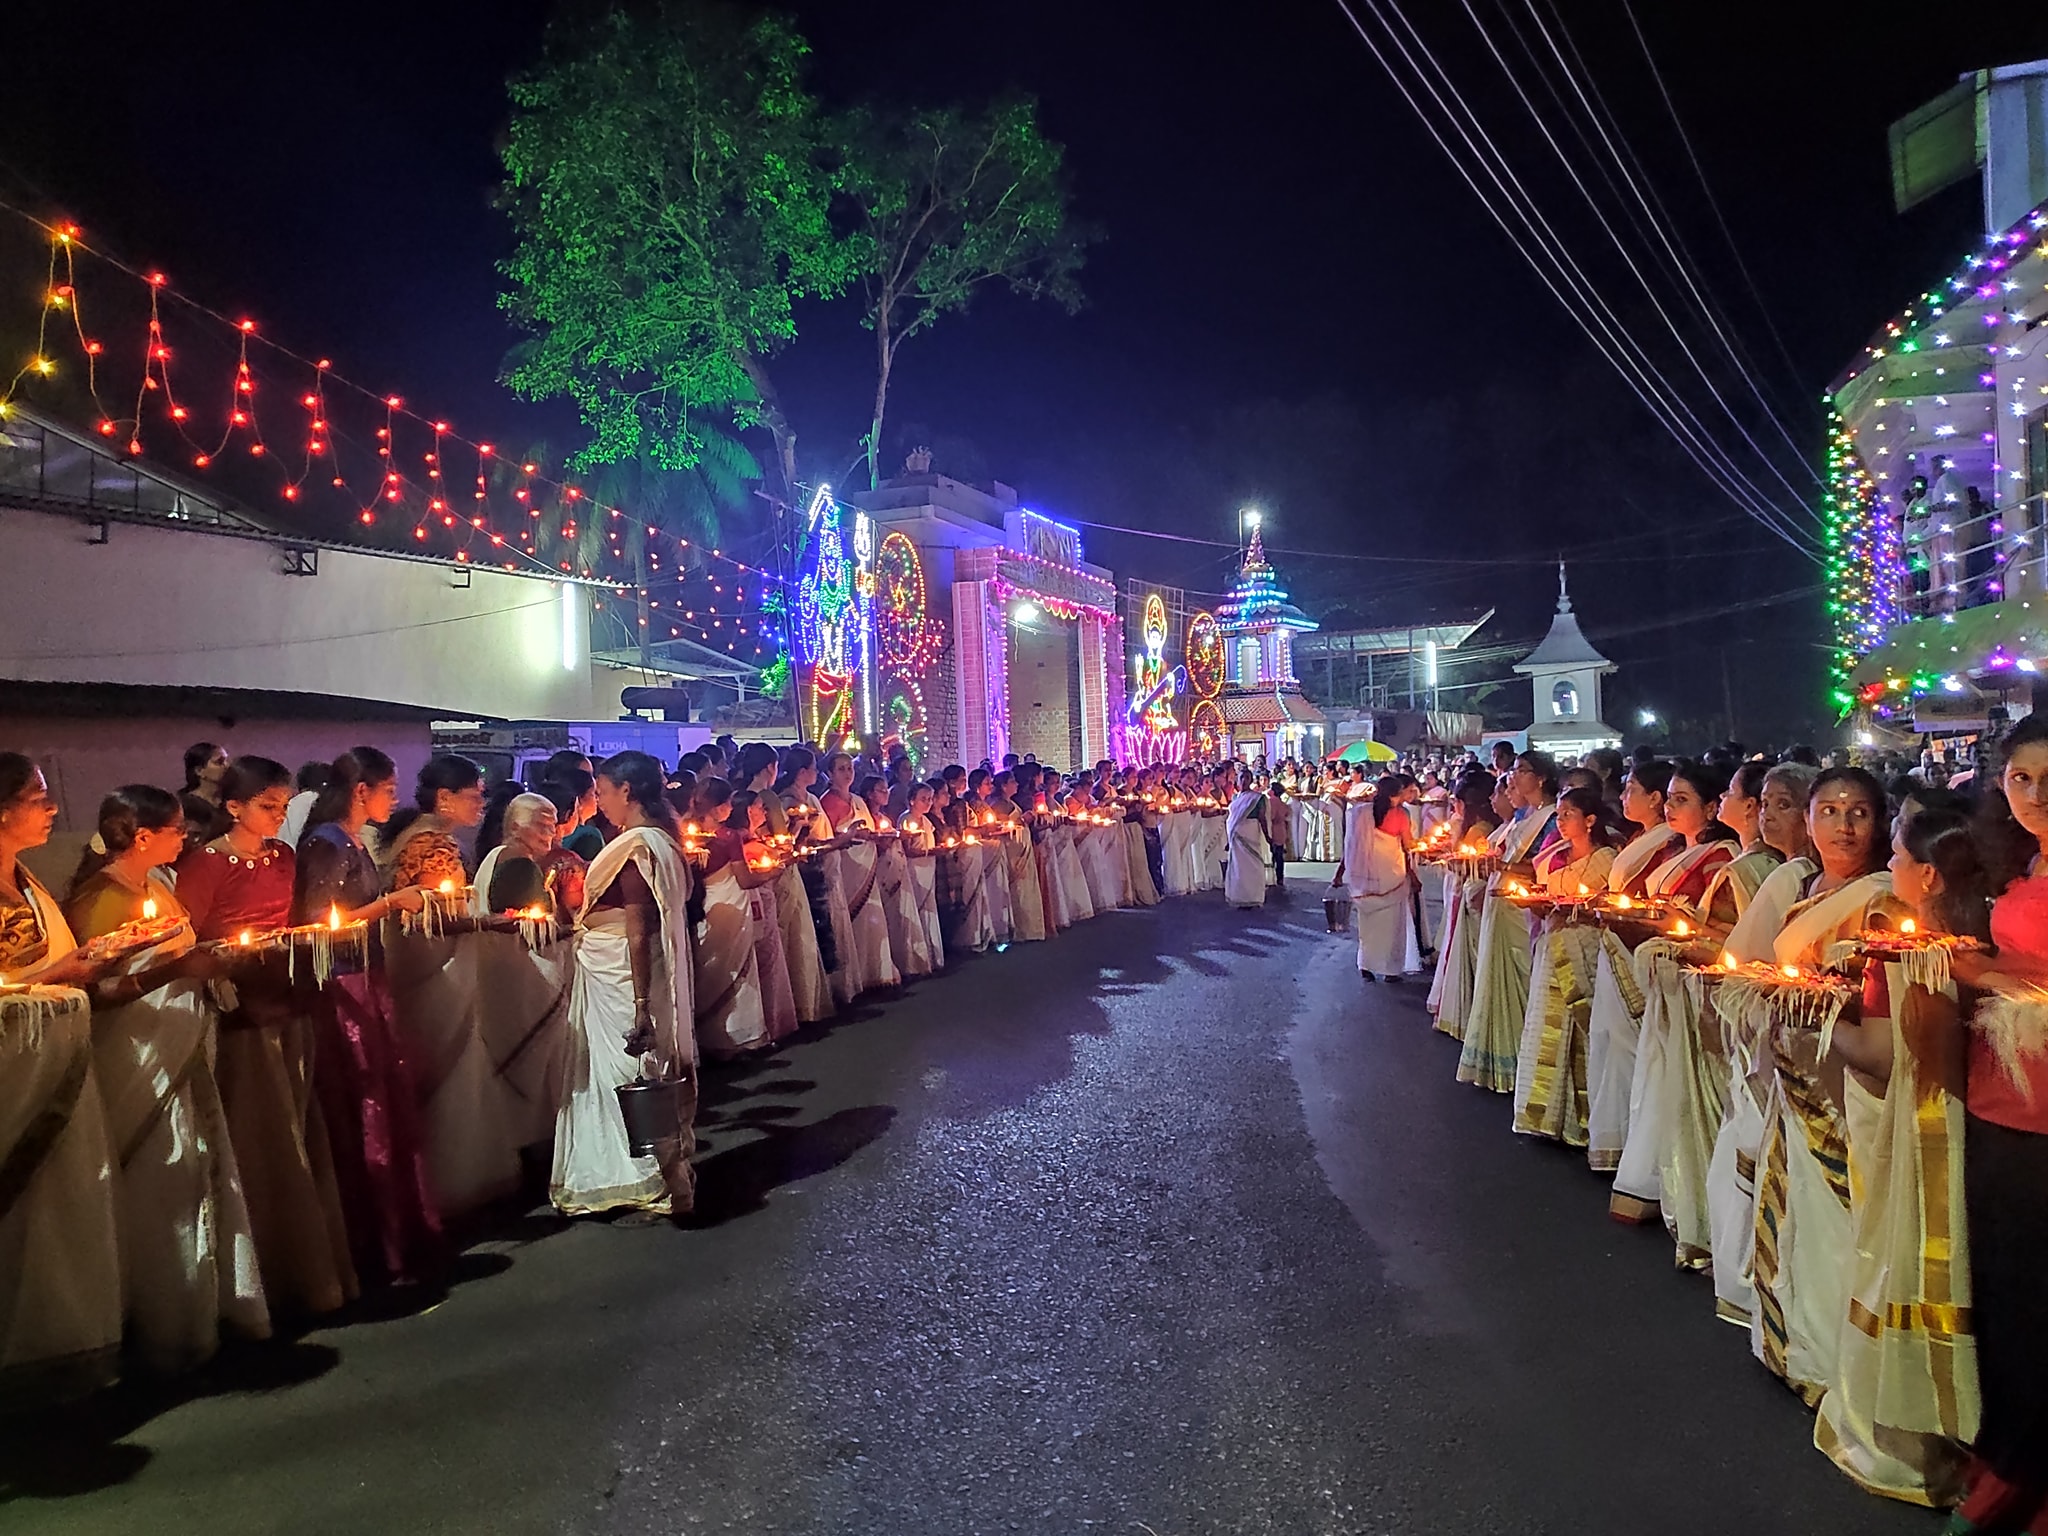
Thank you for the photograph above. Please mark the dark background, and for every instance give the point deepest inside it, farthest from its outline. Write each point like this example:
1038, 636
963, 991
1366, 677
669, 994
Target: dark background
1298, 305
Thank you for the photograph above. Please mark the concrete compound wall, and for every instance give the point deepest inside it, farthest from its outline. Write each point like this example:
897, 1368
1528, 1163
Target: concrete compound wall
176, 606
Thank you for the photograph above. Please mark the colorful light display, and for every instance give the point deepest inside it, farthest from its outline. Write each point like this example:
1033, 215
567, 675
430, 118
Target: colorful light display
1257, 602
835, 620
1204, 651
1864, 571
1155, 684
907, 643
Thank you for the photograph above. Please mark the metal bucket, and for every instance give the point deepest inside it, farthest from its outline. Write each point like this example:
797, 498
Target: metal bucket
652, 1110
1336, 913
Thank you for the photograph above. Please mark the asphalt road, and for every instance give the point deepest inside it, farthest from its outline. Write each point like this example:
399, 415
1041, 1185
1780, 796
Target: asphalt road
1170, 1225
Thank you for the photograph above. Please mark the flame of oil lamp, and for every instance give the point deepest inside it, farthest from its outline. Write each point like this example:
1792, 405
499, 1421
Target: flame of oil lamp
1681, 928
334, 919
447, 887
1584, 889
1728, 962
1909, 926
883, 825
1790, 971
149, 909
246, 939
690, 829
1622, 903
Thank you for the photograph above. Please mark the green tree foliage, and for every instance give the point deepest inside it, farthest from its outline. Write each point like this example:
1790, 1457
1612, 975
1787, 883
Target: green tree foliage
664, 180
945, 203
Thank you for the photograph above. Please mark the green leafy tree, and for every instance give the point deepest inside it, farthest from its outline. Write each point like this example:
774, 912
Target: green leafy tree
664, 181
945, 203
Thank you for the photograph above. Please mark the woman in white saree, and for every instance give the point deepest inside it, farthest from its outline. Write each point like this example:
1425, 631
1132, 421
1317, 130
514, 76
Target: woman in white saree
731, 991
1904, 1401
1731, 1175
857, 867
1176, 848
1617, 1017
909, 946
1482, 806
1550, 1074
1244, 880
1500, 987
920, 852
188, 1259
631, 1009
1804, 1243
60, 1264
1375, 872
1659, 1039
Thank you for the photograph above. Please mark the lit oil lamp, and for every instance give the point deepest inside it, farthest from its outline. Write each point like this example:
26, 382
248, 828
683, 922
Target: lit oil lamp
1680, 928
334, 919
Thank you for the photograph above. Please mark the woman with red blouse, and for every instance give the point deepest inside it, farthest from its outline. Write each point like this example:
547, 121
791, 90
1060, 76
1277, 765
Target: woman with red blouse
241, 882
2005, 1163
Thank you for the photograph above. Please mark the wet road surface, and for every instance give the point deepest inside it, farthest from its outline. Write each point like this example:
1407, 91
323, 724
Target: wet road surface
1171, 1225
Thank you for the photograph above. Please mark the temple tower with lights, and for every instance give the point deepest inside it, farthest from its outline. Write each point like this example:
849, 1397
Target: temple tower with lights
1264, 710
1565, 671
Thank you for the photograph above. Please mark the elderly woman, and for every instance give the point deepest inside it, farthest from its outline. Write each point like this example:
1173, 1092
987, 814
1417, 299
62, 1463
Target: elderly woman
523, 988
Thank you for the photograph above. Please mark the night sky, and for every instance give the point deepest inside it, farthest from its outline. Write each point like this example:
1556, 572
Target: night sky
1298, 305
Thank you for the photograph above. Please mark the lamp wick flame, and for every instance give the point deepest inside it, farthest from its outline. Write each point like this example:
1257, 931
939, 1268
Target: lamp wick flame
334, 919
149, 909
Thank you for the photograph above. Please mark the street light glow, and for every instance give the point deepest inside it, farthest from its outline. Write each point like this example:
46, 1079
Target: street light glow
1025, 613
1646, 717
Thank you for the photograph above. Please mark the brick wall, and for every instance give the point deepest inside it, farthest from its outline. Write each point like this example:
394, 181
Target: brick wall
1044, 714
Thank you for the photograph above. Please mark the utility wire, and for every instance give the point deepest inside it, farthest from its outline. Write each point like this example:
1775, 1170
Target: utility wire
1556, 272
1661, 224
1707, 191
1788, 528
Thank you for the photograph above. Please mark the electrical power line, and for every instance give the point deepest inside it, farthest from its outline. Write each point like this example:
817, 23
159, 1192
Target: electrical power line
1529, 208
1559, 271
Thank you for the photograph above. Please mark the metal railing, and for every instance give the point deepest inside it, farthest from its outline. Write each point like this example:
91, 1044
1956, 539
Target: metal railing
1950, 562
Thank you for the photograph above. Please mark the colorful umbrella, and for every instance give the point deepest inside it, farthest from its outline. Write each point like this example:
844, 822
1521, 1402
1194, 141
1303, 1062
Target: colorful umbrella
1366, 752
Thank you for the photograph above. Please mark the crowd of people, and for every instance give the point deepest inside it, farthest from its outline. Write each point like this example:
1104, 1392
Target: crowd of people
1799, 1016
279, 1034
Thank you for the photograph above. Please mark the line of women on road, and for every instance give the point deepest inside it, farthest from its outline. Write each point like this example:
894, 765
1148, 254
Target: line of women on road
1858, 1164
247, 1078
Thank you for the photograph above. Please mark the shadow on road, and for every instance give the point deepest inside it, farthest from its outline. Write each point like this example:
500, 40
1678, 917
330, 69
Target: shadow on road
81, 1447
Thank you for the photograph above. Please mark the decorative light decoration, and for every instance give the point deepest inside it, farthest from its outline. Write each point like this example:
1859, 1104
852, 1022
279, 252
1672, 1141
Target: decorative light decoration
1204, 652
1865, 568
835, 628
1151, 706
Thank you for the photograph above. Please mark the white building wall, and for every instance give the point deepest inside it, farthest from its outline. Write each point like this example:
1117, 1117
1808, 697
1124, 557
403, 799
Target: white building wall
176, 606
